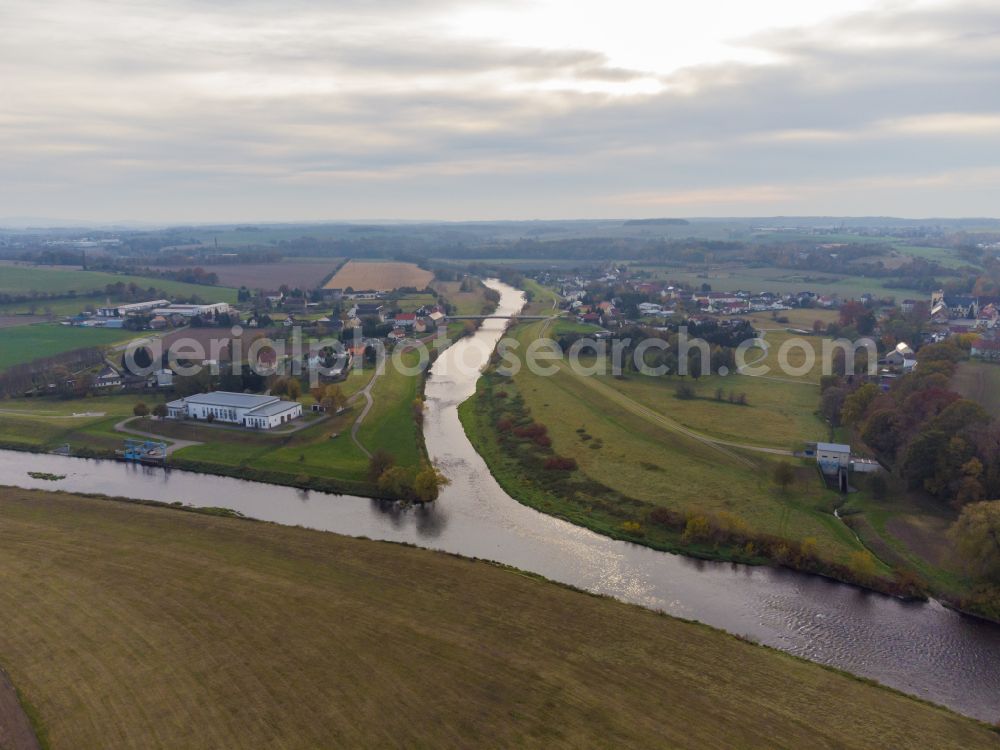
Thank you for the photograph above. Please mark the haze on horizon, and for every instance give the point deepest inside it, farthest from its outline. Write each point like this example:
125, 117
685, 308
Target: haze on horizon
433, 109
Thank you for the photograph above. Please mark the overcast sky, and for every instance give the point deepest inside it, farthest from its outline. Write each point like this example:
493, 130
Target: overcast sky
255, 110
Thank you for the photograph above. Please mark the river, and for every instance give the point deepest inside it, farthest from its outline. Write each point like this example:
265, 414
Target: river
919, 648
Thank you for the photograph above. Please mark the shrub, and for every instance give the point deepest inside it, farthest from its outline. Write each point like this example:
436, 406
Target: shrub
532, 430
632, 527
685, 392
697, 529
560, 463
668, 519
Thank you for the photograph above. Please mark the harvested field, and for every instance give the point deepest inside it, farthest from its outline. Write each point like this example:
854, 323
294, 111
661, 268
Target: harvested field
300, 274
10, 321
380, 276
130, 626
979, 381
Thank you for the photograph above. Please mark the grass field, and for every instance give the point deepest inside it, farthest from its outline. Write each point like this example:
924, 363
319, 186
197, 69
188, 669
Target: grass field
44, 424
779, 281
379, 275
464, 303
21, 279
27, 343
632, 436
543, 299
131, 626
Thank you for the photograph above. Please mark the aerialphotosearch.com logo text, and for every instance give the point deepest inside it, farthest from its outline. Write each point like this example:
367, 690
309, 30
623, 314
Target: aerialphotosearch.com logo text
330, 358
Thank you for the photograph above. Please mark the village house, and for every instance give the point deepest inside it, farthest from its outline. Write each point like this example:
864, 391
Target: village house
902, 357
405, 320
109, 377
369, 310
987, 348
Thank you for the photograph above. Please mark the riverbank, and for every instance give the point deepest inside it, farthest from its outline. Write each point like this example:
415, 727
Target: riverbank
498, 425
260, 634
921, 648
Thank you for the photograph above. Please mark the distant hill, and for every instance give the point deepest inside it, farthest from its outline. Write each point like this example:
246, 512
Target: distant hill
657, 223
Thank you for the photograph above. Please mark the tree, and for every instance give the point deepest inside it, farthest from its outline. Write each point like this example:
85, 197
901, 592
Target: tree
380, 461
976, 535
334, 398
856, 404
140, 410
427, 484
685, 392
862, 564
160, 411
784, 475
832, 403
396, 481
878, 485
882, 433
293, 389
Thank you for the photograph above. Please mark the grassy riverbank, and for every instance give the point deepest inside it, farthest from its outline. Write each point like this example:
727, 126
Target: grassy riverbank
496, 420
127, 625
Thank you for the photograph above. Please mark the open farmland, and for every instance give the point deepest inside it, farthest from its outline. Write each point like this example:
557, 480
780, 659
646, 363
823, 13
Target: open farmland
21, 279
11, 321
296, 273
779, 281
380, 276
979, 381
30, 342
131, 626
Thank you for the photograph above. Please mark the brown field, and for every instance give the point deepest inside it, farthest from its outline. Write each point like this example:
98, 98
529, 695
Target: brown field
10, 321
132, 626
979, 381
380, 276
301, 274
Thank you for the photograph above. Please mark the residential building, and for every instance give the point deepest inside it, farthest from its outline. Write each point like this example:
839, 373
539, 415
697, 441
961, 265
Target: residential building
987, 348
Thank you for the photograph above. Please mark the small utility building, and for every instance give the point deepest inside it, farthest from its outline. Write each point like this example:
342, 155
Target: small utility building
246, 409
832, 457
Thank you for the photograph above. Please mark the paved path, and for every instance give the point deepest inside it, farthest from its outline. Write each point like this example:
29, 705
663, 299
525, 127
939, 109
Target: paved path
369, 403
174, 443
50, 415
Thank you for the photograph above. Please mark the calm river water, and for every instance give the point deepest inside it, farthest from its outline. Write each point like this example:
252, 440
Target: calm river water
920, 648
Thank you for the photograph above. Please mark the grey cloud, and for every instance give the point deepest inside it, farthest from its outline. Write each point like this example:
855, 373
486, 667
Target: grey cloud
418, 149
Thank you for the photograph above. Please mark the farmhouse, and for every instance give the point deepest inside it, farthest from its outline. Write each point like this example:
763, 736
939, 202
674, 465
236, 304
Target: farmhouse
902, 356
248, 410
986, 348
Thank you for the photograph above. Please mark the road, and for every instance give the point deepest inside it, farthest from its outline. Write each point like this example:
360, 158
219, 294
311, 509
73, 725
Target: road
174, 444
